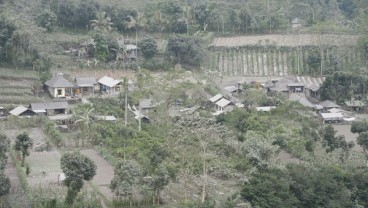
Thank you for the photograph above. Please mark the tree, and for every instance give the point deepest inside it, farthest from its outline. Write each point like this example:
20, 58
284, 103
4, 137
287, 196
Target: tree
76, 168
359, 126
362, 140
4, 184
4, 148
86, 11
206, 132
331, 141
101, 47
84, 121
22, 144
269, 189
4, 180
185, 50
127, 175
102, 22
158, 182
148, 46
47, 19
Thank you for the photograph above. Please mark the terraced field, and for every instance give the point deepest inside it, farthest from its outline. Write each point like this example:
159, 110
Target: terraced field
16, 87
280, 55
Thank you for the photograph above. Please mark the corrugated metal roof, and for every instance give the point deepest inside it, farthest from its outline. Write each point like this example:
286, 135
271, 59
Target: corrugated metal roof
106, 118
223, 102
86, 81
49, 106
108, 81
265, 108
59, 81
332, 116
18, 110
215, 98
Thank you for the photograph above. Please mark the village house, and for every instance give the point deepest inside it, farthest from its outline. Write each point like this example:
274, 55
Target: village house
50, 108
221, 104
328, 104
355, 105
86, 86
296, 23
234, 89
146, 105
59, 87
332, 117
22, 111
312, 91
109, 85
285, 86
2, 111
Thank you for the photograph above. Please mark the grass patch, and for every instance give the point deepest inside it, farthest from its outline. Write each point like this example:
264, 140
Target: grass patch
15, 91
17, 74
19, 100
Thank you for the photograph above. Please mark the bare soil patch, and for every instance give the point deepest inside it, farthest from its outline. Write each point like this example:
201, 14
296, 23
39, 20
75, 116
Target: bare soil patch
44, 166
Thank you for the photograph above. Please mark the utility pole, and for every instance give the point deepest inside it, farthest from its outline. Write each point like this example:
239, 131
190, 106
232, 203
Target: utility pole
269, 14
139, 118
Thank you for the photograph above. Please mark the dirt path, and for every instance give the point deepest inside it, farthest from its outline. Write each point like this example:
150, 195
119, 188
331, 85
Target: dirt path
104, 173
17, 196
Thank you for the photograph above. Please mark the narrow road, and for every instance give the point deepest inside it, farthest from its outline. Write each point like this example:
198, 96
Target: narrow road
104, 173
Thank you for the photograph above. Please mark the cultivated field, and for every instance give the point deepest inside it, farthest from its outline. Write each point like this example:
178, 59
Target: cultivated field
285, 40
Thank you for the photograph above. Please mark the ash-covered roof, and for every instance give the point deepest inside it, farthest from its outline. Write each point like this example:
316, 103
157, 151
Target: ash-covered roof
59, 81
85, 81
49, 106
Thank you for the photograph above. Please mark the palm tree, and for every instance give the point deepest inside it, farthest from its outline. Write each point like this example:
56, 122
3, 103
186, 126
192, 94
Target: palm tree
84, 122
137, 22
102, 22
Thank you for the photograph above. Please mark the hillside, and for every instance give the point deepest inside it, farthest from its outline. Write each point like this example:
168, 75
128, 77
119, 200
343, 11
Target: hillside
188, 104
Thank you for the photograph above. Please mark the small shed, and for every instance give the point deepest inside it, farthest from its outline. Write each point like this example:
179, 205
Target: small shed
265, 108
109, 85
86, 85
332, 117
296, 23
106, 118
22, 111
50, 108
58, 86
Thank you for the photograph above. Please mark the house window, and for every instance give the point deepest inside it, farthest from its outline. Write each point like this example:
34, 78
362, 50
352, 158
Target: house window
59, 92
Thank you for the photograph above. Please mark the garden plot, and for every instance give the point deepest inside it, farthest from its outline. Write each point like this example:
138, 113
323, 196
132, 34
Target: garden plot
45, 165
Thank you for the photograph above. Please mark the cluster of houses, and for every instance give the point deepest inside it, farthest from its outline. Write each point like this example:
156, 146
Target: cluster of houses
59, 87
